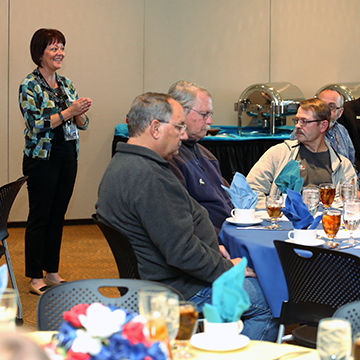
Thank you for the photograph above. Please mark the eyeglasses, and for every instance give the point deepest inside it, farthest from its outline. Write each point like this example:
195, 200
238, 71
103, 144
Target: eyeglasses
204, 115
180, 128
333, 107
303, 122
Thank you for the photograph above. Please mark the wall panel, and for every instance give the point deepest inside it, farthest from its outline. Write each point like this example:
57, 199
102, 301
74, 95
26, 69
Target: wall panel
221, 45
4, 168
314, 43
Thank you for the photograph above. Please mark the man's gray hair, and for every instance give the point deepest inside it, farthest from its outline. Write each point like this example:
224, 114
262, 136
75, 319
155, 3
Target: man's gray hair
145, 108
341, 96
185, 92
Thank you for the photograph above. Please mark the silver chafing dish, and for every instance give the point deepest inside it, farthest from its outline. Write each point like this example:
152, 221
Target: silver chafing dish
350, 91
269, 103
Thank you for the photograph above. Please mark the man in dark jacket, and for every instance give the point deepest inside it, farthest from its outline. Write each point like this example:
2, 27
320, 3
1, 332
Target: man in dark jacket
350, 118
195, 166
171, 234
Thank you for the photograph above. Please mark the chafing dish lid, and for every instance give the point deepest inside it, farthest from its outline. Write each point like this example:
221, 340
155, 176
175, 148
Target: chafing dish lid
285, 96
350, 91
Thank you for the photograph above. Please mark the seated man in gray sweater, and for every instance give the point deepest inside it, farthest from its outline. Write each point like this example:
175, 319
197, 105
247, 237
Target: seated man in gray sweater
171, 234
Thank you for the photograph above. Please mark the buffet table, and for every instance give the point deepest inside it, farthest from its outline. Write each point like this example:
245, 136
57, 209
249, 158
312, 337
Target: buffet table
256, 350
235, 153
256, 244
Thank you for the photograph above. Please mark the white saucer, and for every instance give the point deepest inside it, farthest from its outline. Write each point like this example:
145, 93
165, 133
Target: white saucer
317, 242
201, 341
254, 222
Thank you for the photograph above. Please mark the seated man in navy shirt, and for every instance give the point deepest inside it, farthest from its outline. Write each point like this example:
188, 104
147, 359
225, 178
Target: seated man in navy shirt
195, 166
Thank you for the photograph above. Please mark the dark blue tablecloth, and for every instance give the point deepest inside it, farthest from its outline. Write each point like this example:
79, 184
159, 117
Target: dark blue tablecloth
258, 247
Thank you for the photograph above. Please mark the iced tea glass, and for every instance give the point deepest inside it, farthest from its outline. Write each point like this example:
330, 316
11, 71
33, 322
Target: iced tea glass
327, 194
331, 223
188, 317
273, 208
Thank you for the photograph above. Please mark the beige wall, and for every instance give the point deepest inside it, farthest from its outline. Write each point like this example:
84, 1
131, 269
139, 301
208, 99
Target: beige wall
117, 49
4, 164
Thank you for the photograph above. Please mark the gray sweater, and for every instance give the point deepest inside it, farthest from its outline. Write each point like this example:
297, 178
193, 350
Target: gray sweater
171, 234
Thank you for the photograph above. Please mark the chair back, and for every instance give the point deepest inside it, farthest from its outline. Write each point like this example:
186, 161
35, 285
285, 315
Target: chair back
319, 281
60, 298
8, 194
122, 250
351, 312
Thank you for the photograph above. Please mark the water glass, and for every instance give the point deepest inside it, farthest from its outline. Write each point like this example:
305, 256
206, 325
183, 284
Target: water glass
351, 216
8, 309
334, 339
156, 302
311, 198
347, 189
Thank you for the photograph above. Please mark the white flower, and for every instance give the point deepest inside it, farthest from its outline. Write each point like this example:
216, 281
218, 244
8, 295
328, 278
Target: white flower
101, 322
85, 343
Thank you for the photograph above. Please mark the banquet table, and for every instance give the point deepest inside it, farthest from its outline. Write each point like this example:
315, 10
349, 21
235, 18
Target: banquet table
256, 244
255, 350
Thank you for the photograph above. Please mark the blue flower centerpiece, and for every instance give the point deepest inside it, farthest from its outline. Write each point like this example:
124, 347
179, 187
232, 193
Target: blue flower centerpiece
99, 332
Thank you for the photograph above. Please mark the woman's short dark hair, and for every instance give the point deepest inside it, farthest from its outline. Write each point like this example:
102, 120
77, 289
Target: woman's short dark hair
41, 39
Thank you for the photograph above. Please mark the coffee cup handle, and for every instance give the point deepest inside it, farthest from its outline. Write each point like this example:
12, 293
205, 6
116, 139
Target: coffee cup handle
240, 326
291, 232
233, 213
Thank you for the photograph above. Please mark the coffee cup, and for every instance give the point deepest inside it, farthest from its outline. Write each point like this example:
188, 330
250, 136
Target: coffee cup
243, 215
302, 236
223, 332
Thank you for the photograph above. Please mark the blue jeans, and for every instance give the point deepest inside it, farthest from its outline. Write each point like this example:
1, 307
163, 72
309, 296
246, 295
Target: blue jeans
259, 323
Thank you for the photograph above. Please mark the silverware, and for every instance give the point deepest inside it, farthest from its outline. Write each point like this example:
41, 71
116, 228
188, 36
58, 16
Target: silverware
228, 135
345, 247
291, 354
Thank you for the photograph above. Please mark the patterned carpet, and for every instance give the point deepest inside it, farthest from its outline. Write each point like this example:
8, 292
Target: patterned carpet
85, 254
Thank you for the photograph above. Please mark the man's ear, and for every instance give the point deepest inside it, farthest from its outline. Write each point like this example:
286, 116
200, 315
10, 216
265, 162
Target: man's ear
154, 129
341, 111
324, 125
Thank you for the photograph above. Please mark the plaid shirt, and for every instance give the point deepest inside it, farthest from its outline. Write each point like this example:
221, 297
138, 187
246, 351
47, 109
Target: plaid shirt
36, 108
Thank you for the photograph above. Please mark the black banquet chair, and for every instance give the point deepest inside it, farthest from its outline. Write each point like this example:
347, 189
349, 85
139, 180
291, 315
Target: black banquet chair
58, 299
122, 250
319, 281
8, 194
351, 312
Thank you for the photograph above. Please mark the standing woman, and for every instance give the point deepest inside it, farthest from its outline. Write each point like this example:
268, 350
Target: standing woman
53, 113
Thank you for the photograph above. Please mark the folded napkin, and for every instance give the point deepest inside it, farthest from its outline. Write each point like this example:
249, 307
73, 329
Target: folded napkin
240, 193
229, 299
3, 279
289, 178
297, 212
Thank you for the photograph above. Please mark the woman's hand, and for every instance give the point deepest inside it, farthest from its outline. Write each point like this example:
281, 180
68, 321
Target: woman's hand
80, 106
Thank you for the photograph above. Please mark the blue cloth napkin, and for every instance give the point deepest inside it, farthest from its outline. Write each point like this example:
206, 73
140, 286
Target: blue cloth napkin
297, 212
122, 130
289, 178
3, 279
240, 193
229, 299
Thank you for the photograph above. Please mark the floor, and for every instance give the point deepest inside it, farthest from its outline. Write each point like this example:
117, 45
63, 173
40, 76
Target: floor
85, 254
